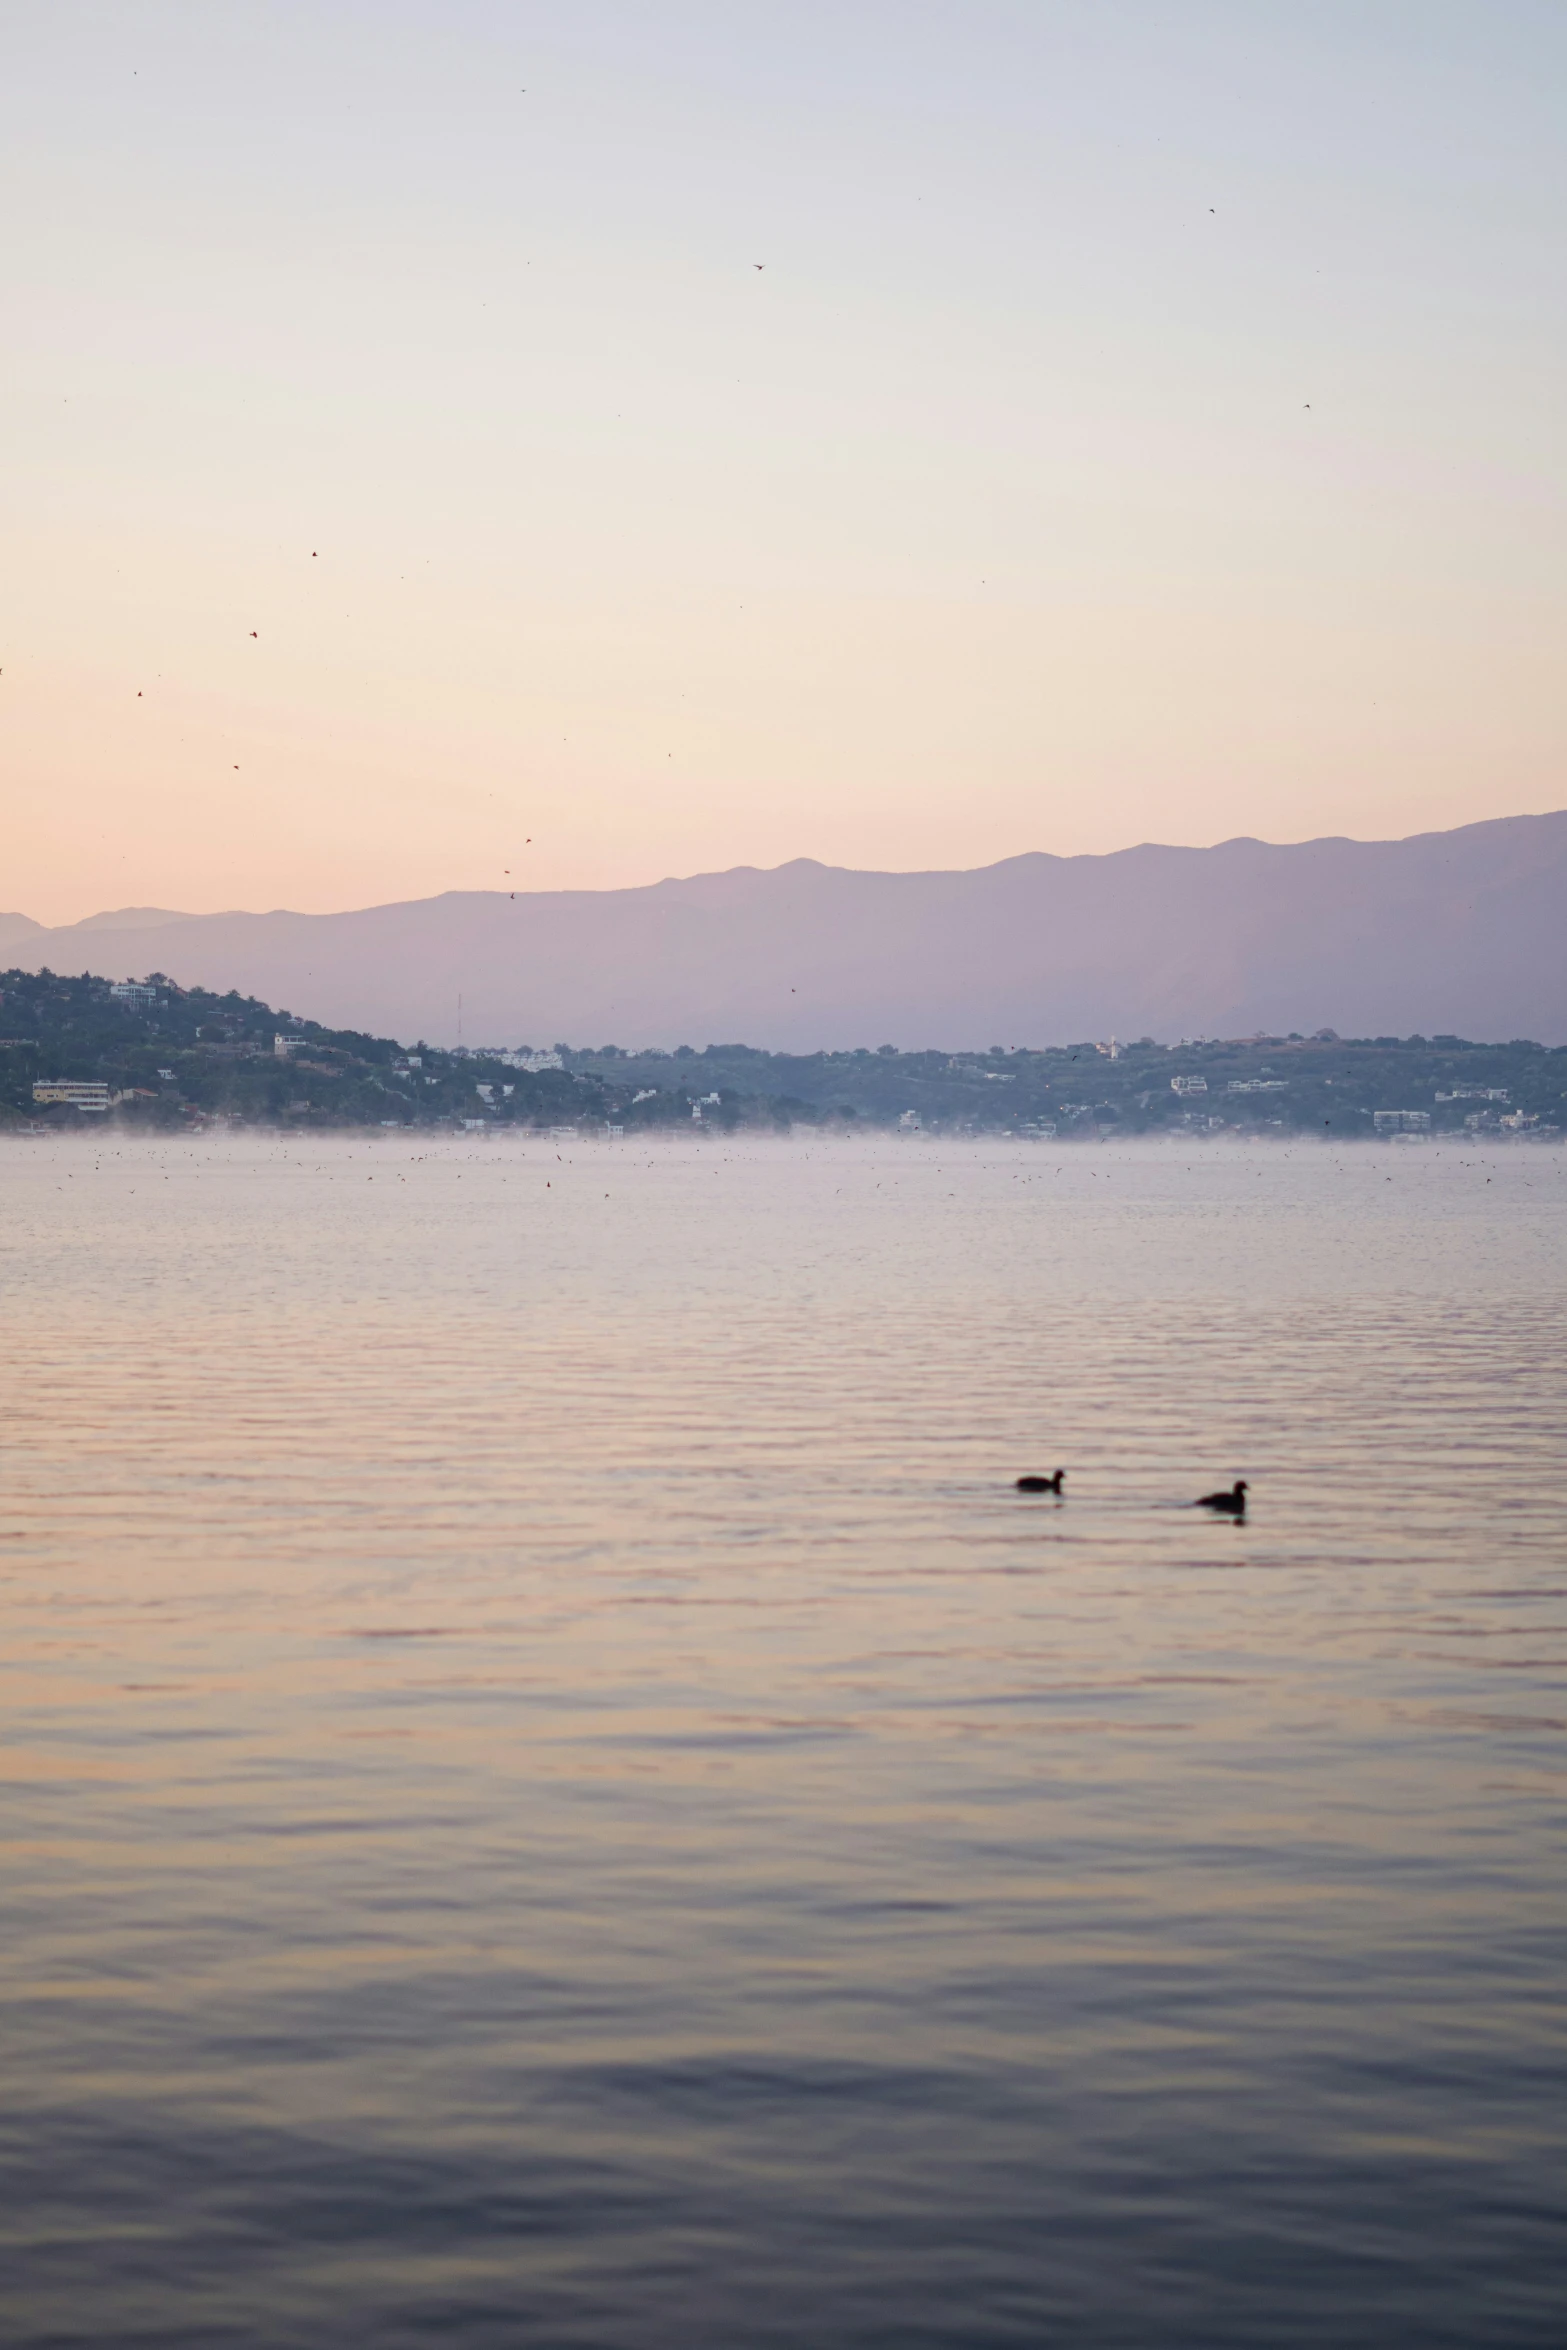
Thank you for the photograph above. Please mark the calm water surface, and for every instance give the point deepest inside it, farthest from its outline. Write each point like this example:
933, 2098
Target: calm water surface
555, 1796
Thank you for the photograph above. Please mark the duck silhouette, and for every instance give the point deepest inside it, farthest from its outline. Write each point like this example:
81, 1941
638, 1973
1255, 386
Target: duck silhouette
1233, 1503
1041, 1484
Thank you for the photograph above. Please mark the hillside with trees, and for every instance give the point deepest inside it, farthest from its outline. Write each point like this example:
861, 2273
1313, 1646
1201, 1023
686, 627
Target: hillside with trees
169, 1058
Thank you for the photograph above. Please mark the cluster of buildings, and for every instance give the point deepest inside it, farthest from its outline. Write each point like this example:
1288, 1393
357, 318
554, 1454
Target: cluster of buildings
523, 1057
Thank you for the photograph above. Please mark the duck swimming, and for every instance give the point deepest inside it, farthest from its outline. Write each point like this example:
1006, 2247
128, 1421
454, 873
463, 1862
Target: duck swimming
1233, 1503
1041, 1484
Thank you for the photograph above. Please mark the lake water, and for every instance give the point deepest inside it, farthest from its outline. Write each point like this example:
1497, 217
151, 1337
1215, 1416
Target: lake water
554, 1795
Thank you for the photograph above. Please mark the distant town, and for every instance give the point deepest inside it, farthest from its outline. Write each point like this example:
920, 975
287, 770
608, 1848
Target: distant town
78, 1052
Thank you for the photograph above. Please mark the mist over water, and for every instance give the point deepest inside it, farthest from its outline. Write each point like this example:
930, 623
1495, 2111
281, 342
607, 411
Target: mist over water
554, 1794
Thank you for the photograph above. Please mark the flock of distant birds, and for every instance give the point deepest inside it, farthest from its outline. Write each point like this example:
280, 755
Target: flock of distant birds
1231, 1503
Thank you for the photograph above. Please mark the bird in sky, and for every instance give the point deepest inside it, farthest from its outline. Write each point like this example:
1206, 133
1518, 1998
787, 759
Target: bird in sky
758, 265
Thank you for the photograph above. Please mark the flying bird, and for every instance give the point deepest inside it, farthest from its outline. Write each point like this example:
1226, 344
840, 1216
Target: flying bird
758, 265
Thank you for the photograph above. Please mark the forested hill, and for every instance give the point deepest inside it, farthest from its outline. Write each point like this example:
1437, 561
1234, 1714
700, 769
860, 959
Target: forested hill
170, 1057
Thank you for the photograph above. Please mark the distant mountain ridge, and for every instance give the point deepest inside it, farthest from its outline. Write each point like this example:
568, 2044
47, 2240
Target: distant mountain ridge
1458, 932
19, 926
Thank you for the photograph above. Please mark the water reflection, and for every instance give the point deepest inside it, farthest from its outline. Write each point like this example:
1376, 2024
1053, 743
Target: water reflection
556, 1793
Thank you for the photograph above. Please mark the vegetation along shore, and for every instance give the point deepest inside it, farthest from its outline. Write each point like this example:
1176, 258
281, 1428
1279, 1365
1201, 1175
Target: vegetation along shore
77, 1051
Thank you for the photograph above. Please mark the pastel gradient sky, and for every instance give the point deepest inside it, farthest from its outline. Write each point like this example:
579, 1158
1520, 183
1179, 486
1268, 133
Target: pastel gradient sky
1146, 424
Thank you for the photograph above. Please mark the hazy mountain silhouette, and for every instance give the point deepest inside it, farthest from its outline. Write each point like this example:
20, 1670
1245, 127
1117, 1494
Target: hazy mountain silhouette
15, 927
1459, 932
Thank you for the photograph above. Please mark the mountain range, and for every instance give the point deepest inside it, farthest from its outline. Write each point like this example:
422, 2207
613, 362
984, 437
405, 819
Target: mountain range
1461, 932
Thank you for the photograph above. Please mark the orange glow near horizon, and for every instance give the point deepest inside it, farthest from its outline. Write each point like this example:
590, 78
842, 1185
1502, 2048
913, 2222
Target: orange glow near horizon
421, 487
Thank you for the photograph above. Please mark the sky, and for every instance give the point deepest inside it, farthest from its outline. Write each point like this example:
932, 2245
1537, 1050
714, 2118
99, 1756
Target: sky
446, 445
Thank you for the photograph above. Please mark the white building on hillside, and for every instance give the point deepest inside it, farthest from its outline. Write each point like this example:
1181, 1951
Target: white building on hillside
79, 1093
